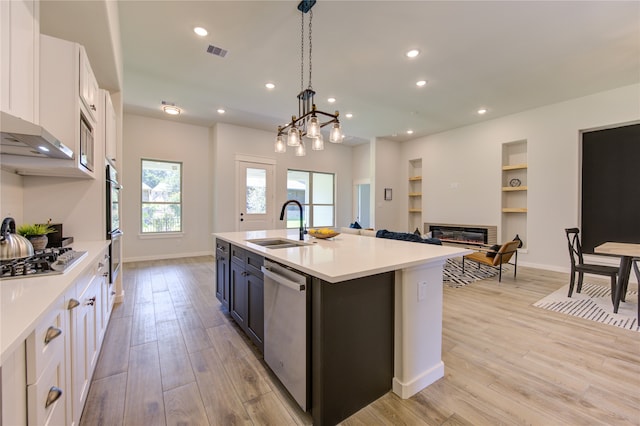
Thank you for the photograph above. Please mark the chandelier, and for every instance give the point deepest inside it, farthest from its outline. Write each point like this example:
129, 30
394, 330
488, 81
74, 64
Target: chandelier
310, 119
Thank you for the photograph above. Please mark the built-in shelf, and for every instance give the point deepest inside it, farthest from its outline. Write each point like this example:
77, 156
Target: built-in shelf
414, 199
514, 171
514, 167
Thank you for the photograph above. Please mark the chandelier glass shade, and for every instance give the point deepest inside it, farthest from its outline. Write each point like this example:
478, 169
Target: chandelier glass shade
310, 120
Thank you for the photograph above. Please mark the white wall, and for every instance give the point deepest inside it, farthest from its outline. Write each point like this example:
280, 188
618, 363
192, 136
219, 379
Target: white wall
461, 169
155, 139
230, 140
389, 171
11, 198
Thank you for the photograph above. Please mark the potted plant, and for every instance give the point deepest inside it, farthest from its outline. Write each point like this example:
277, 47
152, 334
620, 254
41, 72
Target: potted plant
36, 234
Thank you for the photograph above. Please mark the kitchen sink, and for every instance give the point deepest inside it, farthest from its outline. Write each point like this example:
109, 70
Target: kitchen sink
276, 243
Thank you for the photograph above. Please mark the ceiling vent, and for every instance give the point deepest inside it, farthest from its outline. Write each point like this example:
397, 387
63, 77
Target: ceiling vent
218, 51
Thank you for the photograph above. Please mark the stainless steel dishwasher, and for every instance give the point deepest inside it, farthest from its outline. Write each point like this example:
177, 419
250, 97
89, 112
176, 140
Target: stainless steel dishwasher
286, 327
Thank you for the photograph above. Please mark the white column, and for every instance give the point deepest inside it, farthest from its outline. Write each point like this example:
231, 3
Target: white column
418, 328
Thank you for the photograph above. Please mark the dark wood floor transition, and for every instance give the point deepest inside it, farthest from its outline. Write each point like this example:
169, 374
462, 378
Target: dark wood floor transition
172, 356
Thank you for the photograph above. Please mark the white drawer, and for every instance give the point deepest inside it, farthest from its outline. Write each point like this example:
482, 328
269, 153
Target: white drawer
49, 385
46, 341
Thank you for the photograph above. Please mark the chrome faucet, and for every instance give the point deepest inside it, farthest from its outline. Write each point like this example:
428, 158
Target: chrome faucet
284, 208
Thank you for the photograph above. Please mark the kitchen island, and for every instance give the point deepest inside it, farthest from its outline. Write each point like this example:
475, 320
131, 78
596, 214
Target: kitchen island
384, 294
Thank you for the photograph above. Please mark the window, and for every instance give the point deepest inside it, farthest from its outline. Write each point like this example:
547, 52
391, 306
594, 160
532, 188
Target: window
161, 196
316, 192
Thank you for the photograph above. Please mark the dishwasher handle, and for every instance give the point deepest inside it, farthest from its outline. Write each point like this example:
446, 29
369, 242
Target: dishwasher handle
282, 280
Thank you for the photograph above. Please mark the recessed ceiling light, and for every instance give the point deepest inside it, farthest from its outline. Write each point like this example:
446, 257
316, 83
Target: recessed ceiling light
200, 31
170, 108
412, 53
221, 111
348, 115
421, 83
331, 100
482, 111
409, 132
270, 86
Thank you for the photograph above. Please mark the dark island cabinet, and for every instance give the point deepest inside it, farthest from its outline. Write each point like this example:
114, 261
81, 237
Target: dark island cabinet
222, 273
246, 303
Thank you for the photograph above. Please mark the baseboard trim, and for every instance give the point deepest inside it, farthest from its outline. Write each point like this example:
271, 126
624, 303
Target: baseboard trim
167, 256
407, 390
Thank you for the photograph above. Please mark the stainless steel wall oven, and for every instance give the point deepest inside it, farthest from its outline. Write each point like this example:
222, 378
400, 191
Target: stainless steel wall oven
113, 220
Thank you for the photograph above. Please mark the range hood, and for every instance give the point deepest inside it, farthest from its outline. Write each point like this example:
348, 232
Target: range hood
20, 137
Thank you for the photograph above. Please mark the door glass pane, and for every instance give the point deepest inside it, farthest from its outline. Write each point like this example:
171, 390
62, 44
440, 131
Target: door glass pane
256, 191
322, 188
298, 186
322, 216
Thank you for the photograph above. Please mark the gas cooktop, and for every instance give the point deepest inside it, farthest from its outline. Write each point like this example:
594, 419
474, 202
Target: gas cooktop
51, 261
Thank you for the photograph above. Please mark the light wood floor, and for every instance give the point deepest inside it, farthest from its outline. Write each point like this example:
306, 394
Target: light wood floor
172, 356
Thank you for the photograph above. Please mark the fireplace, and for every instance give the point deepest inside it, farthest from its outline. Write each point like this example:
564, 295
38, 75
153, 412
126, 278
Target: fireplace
466, 234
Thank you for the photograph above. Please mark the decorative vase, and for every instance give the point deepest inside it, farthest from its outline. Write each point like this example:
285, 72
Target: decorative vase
517, 238
39, 242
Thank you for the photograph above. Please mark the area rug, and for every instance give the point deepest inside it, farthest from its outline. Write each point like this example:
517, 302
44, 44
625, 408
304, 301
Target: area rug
594, 303
453, 276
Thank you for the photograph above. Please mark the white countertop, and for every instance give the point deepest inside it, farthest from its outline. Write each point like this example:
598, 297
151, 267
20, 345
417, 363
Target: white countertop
24, 301
346, 256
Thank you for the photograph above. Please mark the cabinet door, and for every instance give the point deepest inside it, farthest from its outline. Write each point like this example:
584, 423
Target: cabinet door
88, 85
238, 294
110, 127
222, 278
19, 65
255, 317
84, 348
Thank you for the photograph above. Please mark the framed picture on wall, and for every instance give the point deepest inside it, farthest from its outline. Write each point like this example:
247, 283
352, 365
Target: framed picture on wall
388, 192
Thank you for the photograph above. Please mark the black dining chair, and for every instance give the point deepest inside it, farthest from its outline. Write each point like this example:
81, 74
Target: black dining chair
578, 265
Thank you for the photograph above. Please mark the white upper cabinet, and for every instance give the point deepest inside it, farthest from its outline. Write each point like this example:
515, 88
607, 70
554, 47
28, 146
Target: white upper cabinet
88, 85
19, 69
110, 128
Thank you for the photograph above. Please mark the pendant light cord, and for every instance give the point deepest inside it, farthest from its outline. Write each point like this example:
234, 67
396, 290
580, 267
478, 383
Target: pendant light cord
310, 45
301, 51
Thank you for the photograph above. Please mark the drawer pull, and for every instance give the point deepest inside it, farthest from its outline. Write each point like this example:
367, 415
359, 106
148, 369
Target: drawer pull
91, 301
73, 303
105, 274
53, 395
52, 333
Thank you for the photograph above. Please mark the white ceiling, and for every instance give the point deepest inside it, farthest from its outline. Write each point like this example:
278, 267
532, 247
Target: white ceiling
505, 56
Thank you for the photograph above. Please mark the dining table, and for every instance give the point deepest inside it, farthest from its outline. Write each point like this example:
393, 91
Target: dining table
626, 252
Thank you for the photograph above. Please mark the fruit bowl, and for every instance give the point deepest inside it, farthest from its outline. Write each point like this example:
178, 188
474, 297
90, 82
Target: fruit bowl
323, 233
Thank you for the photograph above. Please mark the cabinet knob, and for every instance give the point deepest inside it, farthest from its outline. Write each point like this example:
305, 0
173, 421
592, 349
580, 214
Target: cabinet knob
52, 333
106, 274
100, 265
53, 395
73, 303
93, 107
91, 301
113, 293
